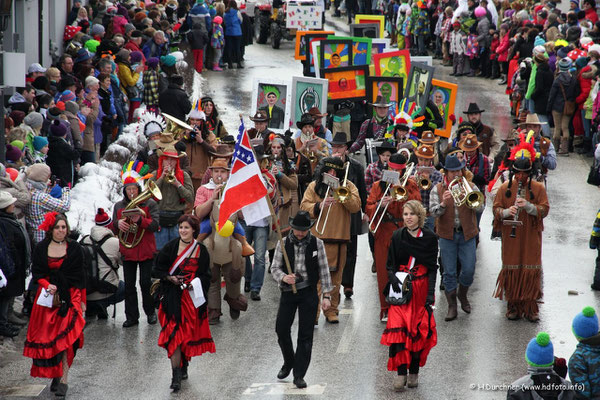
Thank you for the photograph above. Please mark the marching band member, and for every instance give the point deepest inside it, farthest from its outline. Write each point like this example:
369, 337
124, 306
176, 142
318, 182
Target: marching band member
308, 143
456, 227
299, 164
321, 130
375, 169
261, 120
426, 171
287, 182
141, 224
177, 190
479, 165
199, 144
524, 200
429, 138
336, 233
543, 145
373, 128
392, 220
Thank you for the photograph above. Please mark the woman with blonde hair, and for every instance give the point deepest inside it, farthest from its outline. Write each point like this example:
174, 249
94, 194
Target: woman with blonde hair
412, 267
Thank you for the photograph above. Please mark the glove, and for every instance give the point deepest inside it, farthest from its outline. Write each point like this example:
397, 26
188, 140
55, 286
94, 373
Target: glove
395, 283
56, 192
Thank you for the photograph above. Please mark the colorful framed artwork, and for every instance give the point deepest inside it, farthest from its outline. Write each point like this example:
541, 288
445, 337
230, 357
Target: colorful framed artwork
427, 60
393, 64
379, 46
361, 49
306, 94
443, 95
335, 53
273, 97
388, 88
309, 69
372, 19
347, 83
418, 86
365, 30
316, 49
300, 46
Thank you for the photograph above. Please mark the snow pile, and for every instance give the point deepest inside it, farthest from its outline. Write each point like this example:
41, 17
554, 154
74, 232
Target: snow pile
99, 185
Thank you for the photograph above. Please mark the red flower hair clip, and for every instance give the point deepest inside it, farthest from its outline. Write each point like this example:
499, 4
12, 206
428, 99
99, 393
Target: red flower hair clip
49, 220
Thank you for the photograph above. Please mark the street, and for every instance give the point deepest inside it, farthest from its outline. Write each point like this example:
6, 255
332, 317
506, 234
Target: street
474, 352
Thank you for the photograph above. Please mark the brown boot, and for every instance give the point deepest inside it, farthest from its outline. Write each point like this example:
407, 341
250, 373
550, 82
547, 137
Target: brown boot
564, 147
464, 301
452, 311
213, 316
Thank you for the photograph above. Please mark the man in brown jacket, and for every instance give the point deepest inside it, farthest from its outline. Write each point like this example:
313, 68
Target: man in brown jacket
336, 233
88, 152
457, 229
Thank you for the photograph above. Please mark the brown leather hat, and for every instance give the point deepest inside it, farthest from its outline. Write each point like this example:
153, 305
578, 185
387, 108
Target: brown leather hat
469, 143
428, 137
425, 151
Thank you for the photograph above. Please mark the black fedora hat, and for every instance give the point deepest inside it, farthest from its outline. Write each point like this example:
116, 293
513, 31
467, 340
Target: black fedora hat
340, 138
301, 221
473, 109
306, 119
385, 146
260, 152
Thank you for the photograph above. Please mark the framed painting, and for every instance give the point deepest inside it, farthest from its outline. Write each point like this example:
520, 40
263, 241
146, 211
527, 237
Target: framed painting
306, 94
427, 60
365, 30
347, 83
379, 46
443, 95
388, 88
309, 69
372, 19
393, 64
418, 87
361, 49
316, 49
273, 97
335, 53
300, 45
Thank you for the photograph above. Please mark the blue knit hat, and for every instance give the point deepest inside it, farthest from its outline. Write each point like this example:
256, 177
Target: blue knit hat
585, 324
168, 60
539, 41
39, 142
540, 351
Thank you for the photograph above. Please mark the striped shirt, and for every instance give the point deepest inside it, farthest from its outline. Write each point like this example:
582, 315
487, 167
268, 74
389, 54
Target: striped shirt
41, 203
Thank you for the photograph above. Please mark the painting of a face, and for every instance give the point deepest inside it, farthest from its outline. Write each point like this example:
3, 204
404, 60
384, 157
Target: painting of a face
335, 60
271, 99
386, 90
343, 83
438, 98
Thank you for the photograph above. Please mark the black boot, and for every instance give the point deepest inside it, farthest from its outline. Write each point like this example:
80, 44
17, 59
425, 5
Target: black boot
176, 381
184, 373
54, 384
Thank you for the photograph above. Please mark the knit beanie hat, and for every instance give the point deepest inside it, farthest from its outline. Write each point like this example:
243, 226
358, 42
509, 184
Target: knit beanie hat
102, 218
135, 56
465, 126
480, 12
13, 154
18, 117
539, 41
540, 351
218, 20
585, 324
53, 113
34, 119
38, 172
539, 49
564, 65
39, 142
72, 107
582, 62
18, 144
58, 128
152, 62
92, 45
168, 60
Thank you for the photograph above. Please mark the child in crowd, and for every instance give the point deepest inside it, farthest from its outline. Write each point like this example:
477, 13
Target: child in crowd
40, 144
457, 49
584, 364
217, 42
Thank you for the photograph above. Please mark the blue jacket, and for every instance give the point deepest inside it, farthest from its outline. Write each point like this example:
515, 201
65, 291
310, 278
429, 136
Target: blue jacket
584, 368
199, 10
233, 25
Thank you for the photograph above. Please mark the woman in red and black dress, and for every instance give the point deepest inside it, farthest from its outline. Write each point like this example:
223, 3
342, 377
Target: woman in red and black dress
410, 332
55, 333
185, 332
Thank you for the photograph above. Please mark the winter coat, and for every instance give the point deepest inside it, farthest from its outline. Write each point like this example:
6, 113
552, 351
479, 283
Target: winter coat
88, 133
61, 159
524, 48
107, 102
457, 42
151, 49
197, 37
149, 224
111, 248
18, 190
584, 367
175, 102
483, 33
502, 49
556, 100
74, 122
585, 83
233, 23
175, 198
198, 11
521, 388
19, 249
543, 80
591, 14
126, 76
132, 46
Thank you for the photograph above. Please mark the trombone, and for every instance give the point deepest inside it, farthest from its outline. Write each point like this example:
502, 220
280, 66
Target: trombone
341, 194
398, 193
462, 193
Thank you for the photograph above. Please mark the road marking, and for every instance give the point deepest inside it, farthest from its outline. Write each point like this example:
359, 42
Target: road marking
22, 391
283, 389
352, 326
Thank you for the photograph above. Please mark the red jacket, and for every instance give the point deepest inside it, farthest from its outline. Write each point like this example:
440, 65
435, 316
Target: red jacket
493, 47
132, 46
502, 49
149, 224
591, 14
585, 84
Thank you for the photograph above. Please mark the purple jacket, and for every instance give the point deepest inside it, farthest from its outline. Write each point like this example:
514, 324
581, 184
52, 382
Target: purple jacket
97, 126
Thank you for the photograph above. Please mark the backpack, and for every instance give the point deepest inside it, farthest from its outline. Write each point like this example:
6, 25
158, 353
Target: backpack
7, 264
91, 251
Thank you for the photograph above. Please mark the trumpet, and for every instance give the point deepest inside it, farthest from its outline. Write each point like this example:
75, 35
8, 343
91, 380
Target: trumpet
170, 177
398, 193
462, 193
341, 194
423, 182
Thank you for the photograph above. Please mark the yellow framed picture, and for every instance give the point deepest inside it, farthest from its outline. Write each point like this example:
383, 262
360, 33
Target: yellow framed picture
372, 19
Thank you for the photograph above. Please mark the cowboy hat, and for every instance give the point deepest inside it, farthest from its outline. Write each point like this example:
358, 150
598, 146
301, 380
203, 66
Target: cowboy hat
166, 139
473, 109
469, 142
513, 136
221, 150
301, 221
260, 116
386, 145
425, 151
229, 139
532, 119
380, 103
428, 137
306, 119
219, 163
452, 163
259, 150
171, 152
340, 138
316, 113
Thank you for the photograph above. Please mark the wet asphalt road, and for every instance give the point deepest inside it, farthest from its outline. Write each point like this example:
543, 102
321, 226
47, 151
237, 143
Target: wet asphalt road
348, 362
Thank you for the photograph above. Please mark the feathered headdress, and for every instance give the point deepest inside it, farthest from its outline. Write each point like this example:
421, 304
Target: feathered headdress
150, 124
49, 220
197, 112
135, 172
525, 148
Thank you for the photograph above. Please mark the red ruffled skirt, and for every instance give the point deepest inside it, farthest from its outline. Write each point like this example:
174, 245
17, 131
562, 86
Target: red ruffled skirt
410, 327
192, 334
49, 335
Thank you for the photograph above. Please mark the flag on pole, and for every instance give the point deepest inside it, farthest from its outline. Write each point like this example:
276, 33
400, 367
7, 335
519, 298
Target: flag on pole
245, 189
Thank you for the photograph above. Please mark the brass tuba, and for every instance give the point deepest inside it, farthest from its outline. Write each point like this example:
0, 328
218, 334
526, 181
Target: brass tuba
133, 236
462, 193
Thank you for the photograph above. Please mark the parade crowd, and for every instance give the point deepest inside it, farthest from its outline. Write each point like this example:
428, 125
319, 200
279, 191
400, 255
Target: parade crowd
419, 197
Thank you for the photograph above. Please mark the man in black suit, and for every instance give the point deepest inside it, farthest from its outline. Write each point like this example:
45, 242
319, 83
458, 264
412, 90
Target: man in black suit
276, 114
